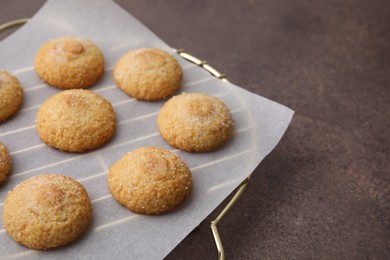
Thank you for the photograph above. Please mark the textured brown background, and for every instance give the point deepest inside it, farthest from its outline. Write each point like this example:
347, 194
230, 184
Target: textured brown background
323, 193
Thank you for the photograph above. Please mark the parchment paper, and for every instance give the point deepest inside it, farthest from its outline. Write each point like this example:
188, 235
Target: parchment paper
115, 232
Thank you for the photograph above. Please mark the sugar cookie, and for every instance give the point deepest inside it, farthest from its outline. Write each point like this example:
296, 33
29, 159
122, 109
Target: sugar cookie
148, 74
195, 122
11, 95
47, 211
75, 120
150, 180
5, 162
69, 62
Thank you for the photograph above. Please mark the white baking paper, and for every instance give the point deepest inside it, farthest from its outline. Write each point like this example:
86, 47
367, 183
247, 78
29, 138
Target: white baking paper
115, 232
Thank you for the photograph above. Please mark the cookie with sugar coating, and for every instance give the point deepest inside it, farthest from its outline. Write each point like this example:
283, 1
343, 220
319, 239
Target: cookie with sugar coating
195, 122
5, 162
150, 180
69, 62
11, 95
148, 74
75, 120
47, 211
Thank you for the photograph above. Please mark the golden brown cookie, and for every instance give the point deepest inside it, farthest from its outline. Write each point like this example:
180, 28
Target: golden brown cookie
69, 62
195, 122
11, 95
148, 74
150, 180
75, 120
47, 211
5, 162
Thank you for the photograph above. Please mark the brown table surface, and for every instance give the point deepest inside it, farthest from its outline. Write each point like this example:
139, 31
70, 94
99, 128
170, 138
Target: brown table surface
323, 193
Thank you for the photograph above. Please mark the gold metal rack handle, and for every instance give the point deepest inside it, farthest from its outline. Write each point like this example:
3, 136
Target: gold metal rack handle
201, 63
13, 23
214, 223
240, 189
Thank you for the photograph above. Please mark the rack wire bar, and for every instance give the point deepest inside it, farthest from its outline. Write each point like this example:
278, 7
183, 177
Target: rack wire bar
13, 23
201, 63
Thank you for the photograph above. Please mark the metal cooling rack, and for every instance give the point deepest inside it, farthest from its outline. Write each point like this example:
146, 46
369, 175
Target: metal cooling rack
239, 190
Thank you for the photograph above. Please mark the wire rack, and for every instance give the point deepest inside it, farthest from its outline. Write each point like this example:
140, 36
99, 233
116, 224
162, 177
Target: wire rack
239, 190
